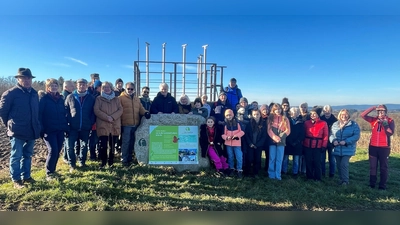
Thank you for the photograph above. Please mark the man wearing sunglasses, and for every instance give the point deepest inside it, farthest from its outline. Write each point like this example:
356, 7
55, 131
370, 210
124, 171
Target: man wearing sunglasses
145, 99
130, 120
382, 128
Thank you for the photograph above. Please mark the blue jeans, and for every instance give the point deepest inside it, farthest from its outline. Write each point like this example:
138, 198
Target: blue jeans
128, 143
275, 161
343, 167
331, 160
295, 167
74, 136
21, 158
235, 152
54, 142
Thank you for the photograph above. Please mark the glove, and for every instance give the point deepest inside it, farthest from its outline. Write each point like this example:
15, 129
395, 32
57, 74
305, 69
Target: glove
147, 115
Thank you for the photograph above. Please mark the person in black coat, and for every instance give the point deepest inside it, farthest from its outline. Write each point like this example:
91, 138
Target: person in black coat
211, 144
256, 135
164, 102
294, 142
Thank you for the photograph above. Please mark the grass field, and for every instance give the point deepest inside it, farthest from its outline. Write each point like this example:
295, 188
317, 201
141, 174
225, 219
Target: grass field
145, 188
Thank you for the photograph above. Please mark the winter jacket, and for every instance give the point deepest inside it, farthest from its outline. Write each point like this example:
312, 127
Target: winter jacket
230, 131
19, 112
278, 129
118, 92
350, 133
184, 109
332, 119
65, 93
132, 110
103, 108
233, 95
201, 112
146, 102
256, 136
294, 142
316, 134
80, 114
52, 114
204, 140
380, 132
163, 104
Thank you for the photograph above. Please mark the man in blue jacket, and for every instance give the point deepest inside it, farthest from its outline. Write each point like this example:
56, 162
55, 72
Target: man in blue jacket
80, 116
233, 93
19, 111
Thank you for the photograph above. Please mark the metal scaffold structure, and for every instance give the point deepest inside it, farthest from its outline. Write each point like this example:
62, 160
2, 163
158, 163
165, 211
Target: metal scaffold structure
191, 78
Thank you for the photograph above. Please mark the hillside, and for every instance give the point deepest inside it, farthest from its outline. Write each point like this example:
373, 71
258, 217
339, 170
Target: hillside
391, 107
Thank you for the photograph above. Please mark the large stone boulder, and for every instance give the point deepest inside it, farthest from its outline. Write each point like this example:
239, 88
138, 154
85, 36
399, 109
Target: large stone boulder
143, 138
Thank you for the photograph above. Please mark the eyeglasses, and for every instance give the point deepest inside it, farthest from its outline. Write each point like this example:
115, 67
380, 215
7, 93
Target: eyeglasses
130, 89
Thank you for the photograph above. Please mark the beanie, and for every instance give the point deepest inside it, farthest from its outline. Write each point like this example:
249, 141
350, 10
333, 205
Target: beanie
318, 110
118, 80
243, 99
97, 84
222, 93
285, 100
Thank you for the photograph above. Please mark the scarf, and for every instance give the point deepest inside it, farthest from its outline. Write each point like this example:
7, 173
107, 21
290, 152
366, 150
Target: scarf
108, 96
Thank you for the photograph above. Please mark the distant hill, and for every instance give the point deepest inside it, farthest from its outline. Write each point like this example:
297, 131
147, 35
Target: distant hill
395, 107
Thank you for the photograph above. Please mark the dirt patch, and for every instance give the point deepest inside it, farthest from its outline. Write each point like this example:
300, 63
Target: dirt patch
39, 155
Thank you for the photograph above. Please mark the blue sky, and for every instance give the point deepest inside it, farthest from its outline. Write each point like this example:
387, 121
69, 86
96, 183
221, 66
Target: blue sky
316, 53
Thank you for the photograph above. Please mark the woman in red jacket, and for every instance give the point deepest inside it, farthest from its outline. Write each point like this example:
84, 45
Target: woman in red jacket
316, 140
379, 145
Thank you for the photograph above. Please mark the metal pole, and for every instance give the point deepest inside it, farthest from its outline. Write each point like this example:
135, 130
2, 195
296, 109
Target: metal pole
201, 76
198, 75
184, 68
147, 64
163, 62
205, 68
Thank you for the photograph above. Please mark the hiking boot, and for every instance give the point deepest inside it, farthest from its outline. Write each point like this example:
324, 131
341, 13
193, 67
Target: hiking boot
29, 180
18, 184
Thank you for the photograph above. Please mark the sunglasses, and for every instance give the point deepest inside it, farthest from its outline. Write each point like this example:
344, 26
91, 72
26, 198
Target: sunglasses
130, 89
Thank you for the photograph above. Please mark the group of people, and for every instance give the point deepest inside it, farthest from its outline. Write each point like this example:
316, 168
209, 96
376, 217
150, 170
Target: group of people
103, 118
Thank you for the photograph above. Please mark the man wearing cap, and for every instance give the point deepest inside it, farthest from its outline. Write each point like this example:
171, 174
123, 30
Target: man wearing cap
19, 111
382, 128
233, 93
80, 116
93, 78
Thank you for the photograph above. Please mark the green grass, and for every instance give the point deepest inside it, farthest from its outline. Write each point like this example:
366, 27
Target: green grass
161, 188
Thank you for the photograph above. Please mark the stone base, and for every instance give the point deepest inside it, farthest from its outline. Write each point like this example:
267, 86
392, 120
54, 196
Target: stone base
142, 138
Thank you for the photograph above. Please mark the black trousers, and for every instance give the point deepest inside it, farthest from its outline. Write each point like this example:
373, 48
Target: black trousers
104, 157
313, 163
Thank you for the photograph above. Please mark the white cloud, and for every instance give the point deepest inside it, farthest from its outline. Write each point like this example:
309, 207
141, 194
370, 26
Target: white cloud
128, 66
76, 60
60, 64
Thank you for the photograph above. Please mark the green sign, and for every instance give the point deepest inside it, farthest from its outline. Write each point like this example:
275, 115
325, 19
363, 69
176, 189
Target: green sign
173, 145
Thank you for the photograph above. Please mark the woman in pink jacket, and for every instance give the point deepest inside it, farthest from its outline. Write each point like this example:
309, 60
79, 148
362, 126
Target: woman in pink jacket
232, 136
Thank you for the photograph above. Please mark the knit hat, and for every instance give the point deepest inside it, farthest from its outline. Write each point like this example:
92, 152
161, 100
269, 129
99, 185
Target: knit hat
96, 84
381, 107
222, 93
93, 75
285, 100
317, 110
24, 72
243, 99
118, 80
